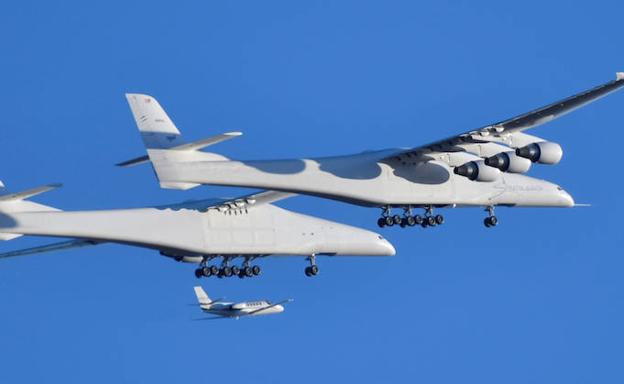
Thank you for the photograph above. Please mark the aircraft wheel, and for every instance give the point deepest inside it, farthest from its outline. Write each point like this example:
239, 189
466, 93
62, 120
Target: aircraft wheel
235, 270
396, 219
206, 271
389, 221
431, 221
424, 224
314, 270
493, 221
410, 220
256, 270
226, 271
247, 271
381, 222
403, 223
418, 220
199, 273
307, 272
214, 270
439, 219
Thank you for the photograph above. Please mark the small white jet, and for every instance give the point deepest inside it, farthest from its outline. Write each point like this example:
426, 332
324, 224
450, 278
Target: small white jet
223, 309
247, 228
480, 168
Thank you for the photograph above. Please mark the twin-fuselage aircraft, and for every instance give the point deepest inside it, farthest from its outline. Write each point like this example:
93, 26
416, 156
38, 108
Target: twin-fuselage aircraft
480, 168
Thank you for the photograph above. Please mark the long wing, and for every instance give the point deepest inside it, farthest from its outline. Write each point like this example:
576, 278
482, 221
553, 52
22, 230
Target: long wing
270, 306
50, 248
503, 131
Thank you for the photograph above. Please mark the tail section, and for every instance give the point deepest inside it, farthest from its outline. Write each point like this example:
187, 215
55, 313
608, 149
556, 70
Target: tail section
202, 297
17, 202
164, 143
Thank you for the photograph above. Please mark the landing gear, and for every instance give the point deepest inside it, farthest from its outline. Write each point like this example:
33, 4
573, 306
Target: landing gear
491, 220
430, 219
313, 269
408, 219
246, 270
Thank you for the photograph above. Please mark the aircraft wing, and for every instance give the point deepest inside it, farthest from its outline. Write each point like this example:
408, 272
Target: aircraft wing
270, 306
508, 132
50, 248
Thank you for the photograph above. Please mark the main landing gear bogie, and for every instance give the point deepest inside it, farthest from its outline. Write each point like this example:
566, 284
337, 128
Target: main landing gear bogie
246, 270
410, 220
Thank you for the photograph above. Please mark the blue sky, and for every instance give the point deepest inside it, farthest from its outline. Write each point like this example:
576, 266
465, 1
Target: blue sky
538, 299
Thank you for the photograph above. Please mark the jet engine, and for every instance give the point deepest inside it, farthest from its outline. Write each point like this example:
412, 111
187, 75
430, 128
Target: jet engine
509, 162
477, 171
543, 152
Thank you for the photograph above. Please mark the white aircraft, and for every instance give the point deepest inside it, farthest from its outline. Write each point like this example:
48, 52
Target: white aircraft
236, 310
246, 228
483, 167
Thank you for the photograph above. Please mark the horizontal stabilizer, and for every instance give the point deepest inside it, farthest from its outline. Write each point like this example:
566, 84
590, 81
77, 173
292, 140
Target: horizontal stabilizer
49, 248
192, 146
29, 193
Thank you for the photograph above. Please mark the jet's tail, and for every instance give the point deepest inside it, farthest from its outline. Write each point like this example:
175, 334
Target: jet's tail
164, 143
202, 298
16, 202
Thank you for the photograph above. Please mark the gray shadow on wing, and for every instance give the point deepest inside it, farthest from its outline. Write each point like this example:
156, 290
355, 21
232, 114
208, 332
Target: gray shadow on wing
423, 173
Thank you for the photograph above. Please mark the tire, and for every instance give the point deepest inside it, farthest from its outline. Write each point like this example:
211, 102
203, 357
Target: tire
314, 270
439, 219
307, 271
389, 221
214, 270
418, 219
198, 273
411, 221
493, 221
235, 270
381, 222
486, 222
206, 272
227, 271
396, 219
247, 271
431, 221
256, 270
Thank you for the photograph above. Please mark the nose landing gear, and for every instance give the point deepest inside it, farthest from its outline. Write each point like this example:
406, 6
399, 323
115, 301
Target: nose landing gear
313, 269
491, 220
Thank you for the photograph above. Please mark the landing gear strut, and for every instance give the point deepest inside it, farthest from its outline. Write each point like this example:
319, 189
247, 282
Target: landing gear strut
491, 220
313, 269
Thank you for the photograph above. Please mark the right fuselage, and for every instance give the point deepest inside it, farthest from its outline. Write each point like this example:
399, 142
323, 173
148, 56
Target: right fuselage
369, 179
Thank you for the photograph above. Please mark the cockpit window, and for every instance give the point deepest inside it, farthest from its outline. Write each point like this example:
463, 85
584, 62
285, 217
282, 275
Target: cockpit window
380, 237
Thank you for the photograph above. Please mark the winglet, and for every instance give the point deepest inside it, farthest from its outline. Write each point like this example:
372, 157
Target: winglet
619, 76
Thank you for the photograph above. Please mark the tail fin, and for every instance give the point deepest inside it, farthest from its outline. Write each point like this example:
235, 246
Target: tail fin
17, 202
164, 142
202, 297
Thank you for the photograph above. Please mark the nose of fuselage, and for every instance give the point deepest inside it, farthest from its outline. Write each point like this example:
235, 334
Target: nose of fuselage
565, 198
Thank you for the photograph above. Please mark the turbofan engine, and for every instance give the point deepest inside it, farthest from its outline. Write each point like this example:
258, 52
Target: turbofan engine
509, 162
478, 171
543, 152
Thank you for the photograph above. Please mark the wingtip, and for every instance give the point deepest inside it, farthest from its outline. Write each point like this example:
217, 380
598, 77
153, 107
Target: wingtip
619, 76
55, 185
236, 133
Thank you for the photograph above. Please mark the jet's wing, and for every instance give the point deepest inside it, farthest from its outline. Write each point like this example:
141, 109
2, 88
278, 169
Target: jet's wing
50, 248
508, 132
270, 306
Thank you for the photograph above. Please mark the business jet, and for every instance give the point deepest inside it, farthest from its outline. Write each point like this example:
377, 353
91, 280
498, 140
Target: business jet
222, 309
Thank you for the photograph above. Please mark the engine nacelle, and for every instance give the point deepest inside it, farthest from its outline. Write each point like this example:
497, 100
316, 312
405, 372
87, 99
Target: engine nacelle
509, 162
543, 152
478, 171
